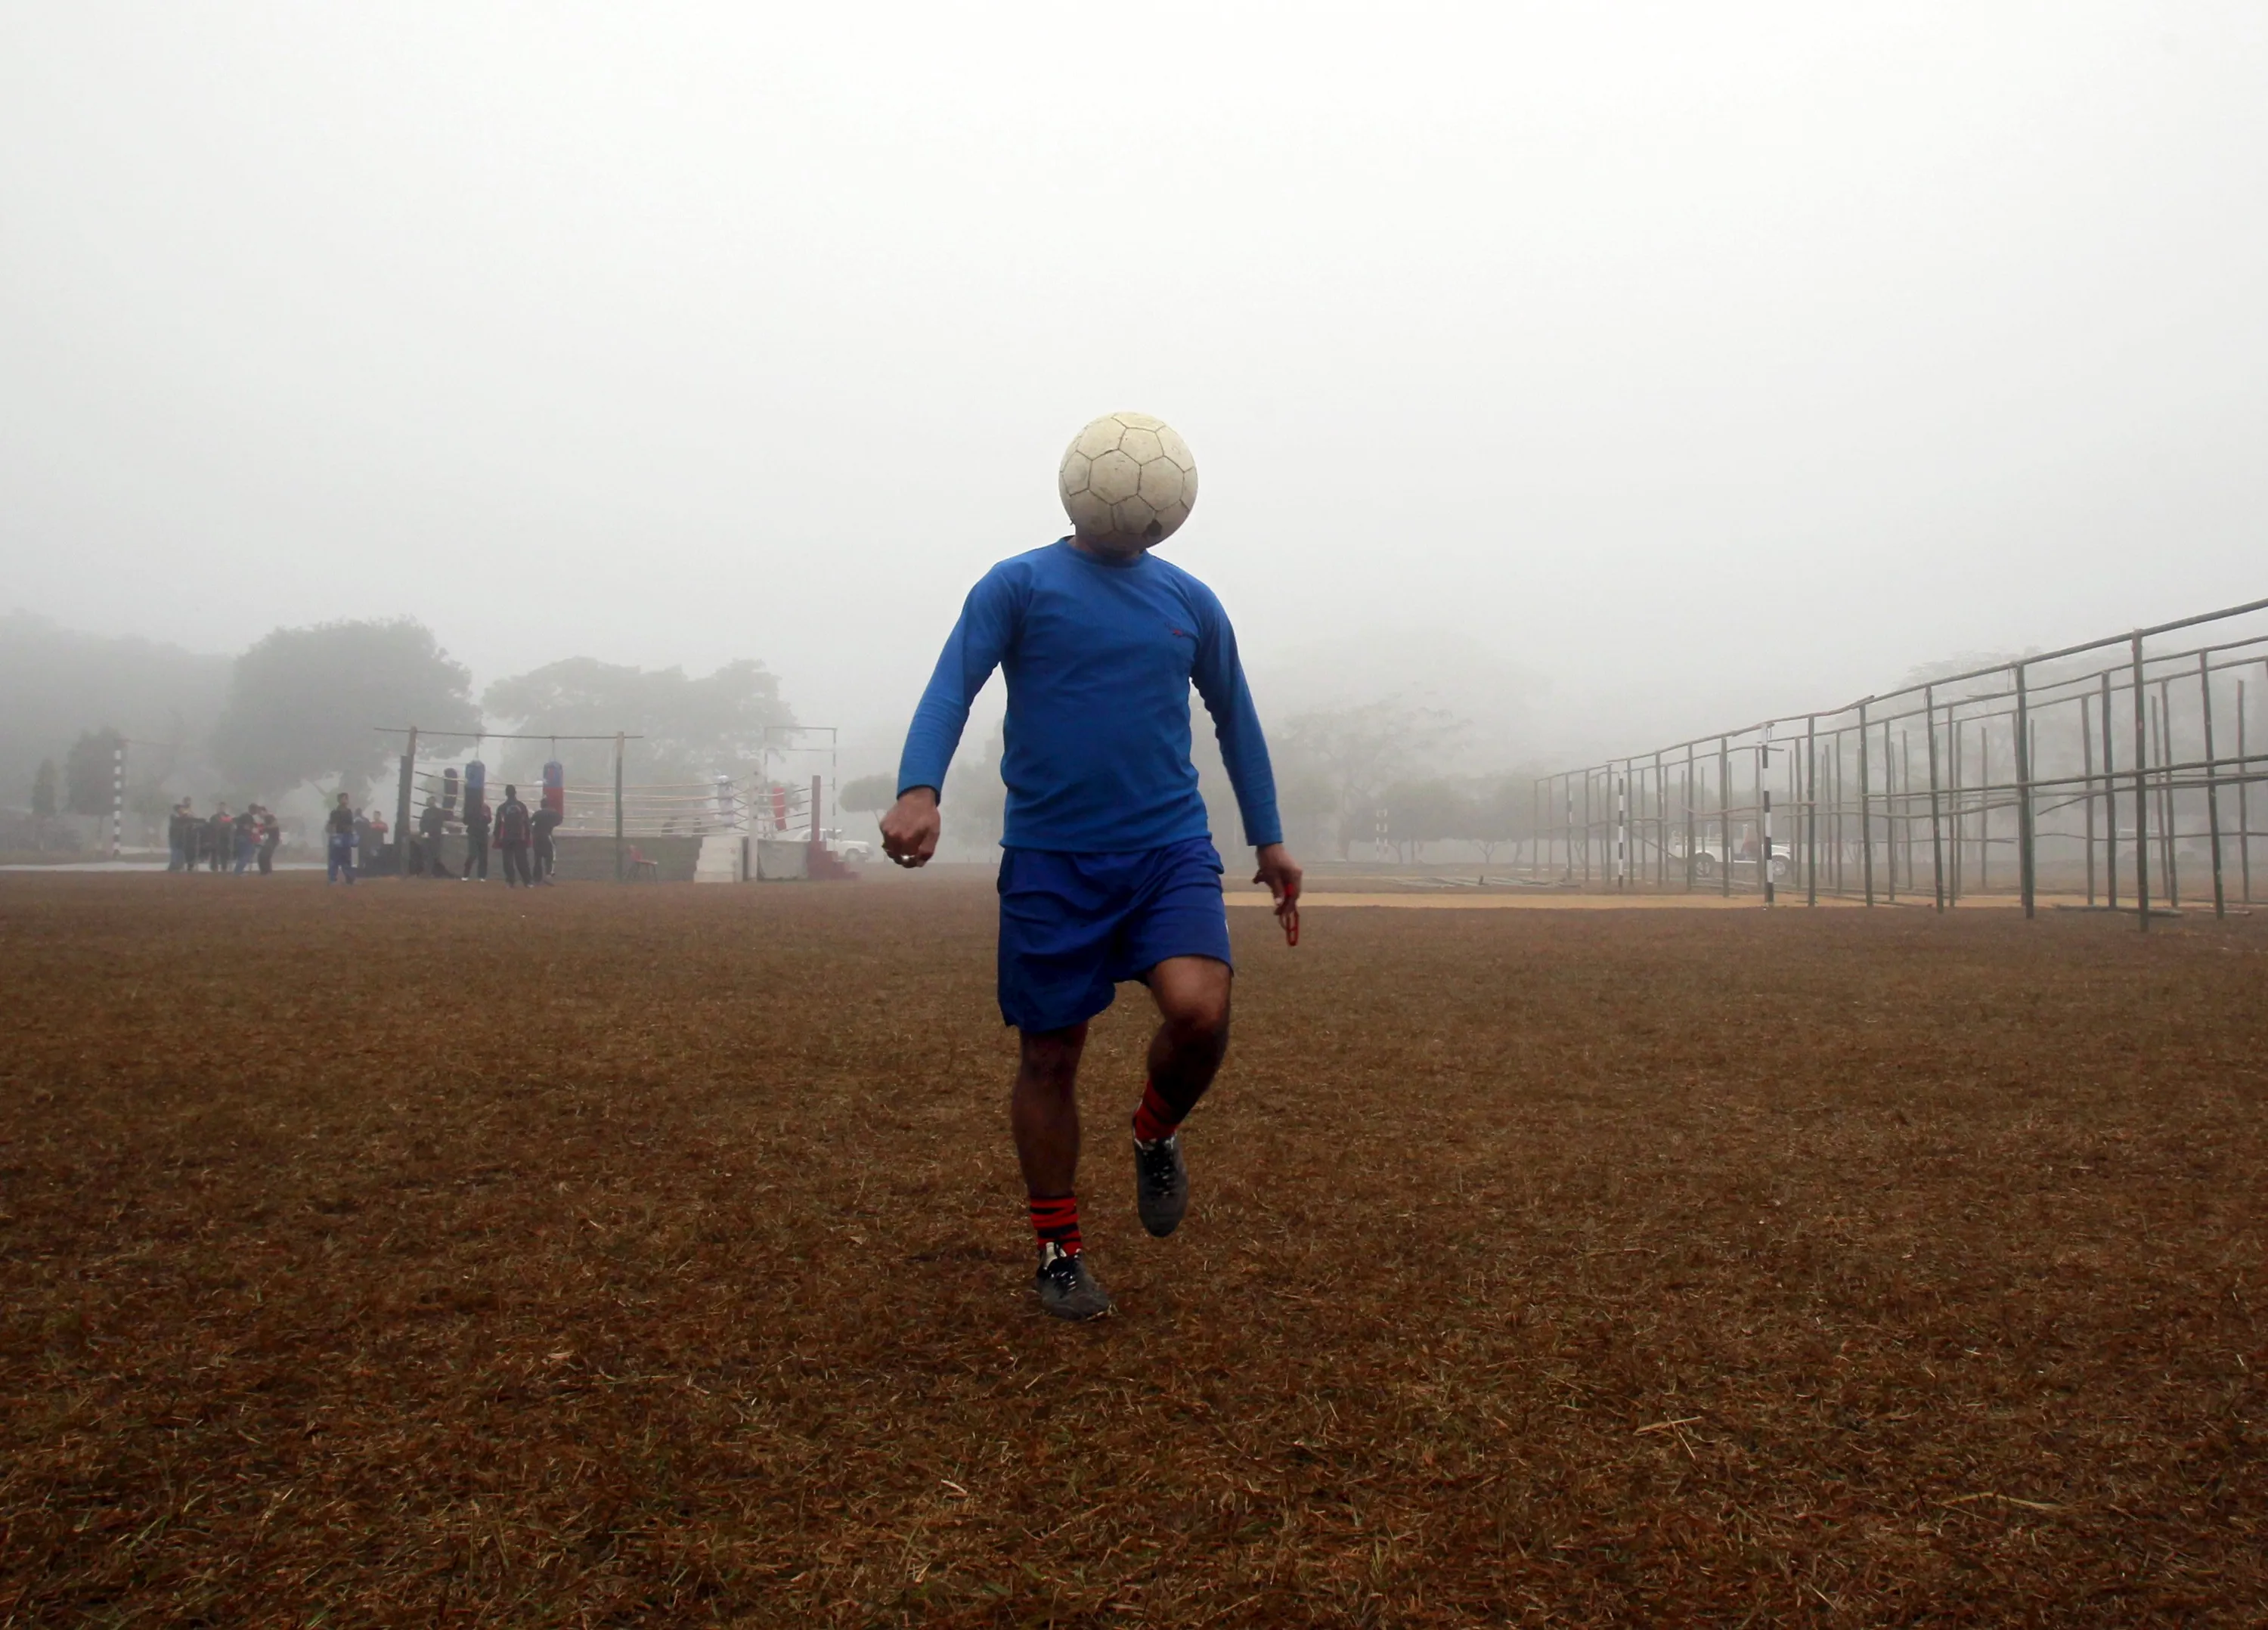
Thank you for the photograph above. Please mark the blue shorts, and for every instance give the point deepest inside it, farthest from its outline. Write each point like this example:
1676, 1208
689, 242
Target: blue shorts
1073, 926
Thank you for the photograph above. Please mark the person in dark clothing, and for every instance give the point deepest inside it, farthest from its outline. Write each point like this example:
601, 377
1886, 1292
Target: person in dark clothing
432, 825
181, 839
244, 840
339, 835
270, 834
513, 832
547, 856
218, 832
476, 838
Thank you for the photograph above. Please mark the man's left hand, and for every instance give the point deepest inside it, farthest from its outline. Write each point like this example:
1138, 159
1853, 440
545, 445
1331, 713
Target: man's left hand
1281, 873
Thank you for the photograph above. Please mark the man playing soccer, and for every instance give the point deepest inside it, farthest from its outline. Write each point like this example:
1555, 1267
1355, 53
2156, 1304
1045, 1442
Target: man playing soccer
1111, 871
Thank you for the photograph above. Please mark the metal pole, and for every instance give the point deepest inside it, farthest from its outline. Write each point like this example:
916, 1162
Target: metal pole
1905, 803
1866, 819
619, 871
1724, 817
1689, 817
1890, 815
2109, 802
1953, 785
2244, 798
1984, 806
402, 797
2212, 785
117, 797
1623, 860
2086, 784
1589, 777
2141, 790
1835, 790
2026, 876
1936, 831
1568, 843
1811, 809
1661, 822
2170, 824
1763, 802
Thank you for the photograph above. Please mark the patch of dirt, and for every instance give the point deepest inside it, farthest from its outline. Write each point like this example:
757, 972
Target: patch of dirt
434, 1253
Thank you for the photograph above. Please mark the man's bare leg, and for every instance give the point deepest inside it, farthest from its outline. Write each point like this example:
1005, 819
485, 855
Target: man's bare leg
1043, 1109
1192, 993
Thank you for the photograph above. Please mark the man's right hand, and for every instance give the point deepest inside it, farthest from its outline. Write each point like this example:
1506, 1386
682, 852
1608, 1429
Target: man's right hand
910, 827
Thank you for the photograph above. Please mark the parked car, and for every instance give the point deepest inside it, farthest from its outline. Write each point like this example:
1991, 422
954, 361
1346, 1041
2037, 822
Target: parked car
1707, 857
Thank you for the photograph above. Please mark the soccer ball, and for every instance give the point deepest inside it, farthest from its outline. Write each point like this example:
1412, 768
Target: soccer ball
1128, 480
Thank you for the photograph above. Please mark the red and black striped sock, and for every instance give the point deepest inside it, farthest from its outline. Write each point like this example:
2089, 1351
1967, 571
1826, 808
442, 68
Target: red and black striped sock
1155, 1118
1055, 1219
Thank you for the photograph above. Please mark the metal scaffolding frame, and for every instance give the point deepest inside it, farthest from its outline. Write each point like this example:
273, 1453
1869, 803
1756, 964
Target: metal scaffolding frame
2018, 763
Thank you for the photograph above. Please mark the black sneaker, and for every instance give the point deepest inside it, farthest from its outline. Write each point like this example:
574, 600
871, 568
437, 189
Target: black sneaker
1162, 1183
1066, 1288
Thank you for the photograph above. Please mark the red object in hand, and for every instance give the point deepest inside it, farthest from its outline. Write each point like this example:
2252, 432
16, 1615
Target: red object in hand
1290, 918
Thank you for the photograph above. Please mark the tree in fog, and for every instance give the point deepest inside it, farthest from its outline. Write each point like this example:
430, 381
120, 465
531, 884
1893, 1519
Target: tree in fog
868, 794
59, 682
1338, 762
90, 771
1496, 812
688, 729
1423, 812
304, 703
44, 782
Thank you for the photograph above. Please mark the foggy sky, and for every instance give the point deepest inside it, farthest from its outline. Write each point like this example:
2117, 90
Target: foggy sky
1702, 362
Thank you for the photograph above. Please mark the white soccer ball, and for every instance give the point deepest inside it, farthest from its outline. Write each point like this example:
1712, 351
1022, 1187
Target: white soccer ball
1128, 480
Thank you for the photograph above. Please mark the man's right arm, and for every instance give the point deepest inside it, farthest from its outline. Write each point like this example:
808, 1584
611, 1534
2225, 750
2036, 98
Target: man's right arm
986, 629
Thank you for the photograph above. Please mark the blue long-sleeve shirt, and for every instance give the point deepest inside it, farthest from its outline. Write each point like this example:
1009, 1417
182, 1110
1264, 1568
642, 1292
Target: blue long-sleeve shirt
1100, 656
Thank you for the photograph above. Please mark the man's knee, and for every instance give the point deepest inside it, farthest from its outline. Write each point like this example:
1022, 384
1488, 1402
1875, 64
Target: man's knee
1051, 1057
1193, 1001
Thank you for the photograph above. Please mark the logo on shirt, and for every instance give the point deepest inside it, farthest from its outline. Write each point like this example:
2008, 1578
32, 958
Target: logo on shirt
1179, 633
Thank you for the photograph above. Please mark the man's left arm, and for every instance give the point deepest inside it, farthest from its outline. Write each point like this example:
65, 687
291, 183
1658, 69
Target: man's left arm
1220, 677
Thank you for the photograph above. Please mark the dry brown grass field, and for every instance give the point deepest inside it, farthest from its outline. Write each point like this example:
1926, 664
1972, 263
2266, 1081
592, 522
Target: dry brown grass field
424, 1255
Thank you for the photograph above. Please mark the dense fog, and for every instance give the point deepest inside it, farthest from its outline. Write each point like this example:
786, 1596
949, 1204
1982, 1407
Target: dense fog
1562, 381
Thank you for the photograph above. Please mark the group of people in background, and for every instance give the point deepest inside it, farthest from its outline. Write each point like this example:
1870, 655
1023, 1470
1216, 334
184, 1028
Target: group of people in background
521, 838
345, 834
222, 842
